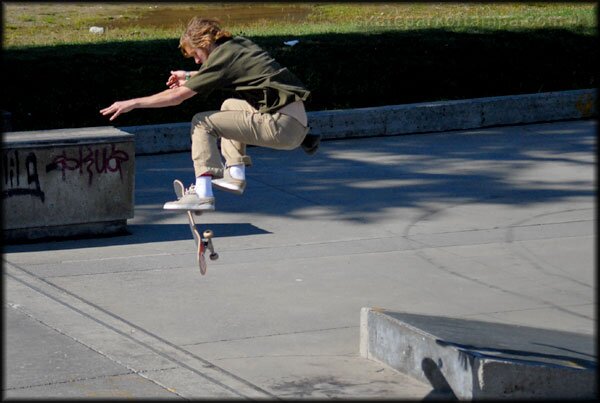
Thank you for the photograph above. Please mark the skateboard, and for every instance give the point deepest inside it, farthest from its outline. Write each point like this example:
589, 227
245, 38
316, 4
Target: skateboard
202, 242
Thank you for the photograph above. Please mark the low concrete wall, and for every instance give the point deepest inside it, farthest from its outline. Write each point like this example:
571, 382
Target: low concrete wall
405, 119
157, 139
480, 360
454, 115
66, 183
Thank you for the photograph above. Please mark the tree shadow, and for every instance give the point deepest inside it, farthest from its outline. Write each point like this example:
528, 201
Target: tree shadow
365, 180
359, 179
343, 70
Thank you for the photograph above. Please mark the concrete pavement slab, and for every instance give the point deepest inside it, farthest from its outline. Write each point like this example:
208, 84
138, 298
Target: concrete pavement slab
494, 224
45, 363
69, 359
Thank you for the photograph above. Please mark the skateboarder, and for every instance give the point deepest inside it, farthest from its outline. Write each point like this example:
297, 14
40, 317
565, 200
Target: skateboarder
270, 111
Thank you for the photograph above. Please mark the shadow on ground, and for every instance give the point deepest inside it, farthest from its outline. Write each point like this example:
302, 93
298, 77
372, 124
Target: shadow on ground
363, 181
359, 179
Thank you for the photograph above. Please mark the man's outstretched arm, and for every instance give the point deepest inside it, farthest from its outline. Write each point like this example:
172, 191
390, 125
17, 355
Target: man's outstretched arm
170, 97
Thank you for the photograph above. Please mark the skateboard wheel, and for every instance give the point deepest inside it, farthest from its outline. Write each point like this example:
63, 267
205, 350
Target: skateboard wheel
208, 234
214, 256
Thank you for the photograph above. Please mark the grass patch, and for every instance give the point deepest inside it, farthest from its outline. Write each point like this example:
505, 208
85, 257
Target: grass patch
45, 24
349, 55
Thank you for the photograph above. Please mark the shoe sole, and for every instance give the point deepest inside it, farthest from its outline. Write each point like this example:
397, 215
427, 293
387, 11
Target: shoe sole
190, 207
237, 191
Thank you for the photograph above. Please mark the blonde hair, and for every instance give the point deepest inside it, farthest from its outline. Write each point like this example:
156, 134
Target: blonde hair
202, 33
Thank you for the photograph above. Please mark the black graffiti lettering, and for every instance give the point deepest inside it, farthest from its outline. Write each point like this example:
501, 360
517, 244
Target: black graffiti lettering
32, 173
12, 182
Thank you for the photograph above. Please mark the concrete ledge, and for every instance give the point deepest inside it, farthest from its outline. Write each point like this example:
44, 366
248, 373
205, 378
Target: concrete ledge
481, 360
157, 139
66, 183
405, 119
454, 115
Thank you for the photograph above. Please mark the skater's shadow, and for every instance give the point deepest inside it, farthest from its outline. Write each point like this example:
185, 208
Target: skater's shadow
138, 234
142, 233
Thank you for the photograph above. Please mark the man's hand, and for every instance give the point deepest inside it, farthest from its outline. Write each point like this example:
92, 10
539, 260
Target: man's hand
118, 108
176, 79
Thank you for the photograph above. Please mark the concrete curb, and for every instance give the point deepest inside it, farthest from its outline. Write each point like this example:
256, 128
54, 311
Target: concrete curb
454, 115
405, 119
481, 360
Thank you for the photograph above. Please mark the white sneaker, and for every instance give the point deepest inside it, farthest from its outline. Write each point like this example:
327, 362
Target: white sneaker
191, 201
229, 184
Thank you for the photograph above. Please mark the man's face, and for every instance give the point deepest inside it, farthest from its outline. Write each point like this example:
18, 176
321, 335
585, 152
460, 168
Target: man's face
199, 55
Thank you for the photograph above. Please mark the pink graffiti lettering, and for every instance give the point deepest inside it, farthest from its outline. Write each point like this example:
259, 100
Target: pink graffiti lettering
98, 161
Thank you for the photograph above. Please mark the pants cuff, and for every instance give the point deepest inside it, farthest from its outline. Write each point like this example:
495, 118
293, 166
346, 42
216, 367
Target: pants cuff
245, 160
216, 173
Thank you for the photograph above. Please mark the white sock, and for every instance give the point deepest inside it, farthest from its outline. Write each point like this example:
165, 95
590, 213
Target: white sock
238, 171
204, 186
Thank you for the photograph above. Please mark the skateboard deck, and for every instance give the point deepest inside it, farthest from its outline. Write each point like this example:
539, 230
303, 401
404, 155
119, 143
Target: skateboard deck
203, 241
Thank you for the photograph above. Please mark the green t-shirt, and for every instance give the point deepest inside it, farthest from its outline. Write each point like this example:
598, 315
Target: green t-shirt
242, 66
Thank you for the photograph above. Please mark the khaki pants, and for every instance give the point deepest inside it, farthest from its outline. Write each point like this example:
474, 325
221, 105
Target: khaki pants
239, 124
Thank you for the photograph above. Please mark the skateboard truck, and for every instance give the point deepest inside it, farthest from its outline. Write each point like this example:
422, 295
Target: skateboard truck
207, 237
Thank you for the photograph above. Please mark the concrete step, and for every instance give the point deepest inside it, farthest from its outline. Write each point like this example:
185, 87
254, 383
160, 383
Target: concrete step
474, 359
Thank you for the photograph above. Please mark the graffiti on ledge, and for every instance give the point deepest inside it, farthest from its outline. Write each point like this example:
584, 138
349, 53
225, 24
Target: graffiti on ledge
97, 161
11, 165
86, 160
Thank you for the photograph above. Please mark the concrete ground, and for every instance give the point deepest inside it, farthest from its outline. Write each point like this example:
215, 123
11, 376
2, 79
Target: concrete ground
491, 224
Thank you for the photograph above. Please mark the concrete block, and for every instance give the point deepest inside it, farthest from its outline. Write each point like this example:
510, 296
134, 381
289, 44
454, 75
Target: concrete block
65, 183
482, 360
